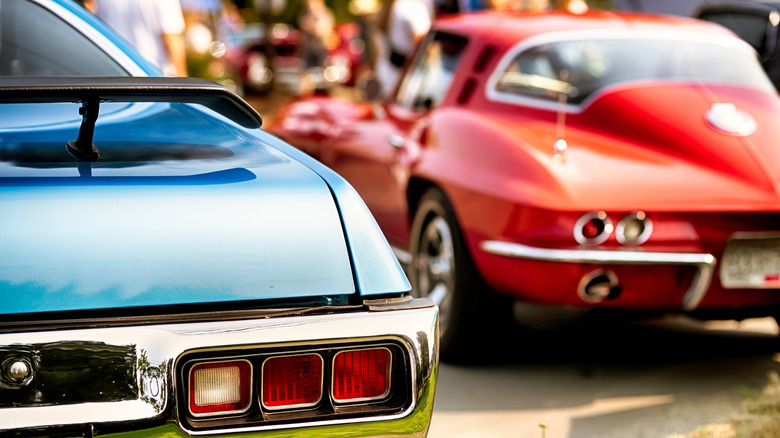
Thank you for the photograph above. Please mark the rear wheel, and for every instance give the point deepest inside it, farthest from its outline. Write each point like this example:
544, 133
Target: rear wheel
442, 270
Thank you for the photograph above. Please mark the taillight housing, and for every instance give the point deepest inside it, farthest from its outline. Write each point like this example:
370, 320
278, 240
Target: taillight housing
220, 388
253, 387
361, 375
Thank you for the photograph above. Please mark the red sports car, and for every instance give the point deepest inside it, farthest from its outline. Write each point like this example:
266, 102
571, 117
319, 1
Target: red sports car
600, 160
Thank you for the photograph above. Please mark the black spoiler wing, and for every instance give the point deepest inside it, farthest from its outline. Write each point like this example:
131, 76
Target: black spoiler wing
43, 89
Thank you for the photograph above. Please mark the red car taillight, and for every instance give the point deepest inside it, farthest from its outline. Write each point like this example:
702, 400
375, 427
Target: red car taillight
593, 228
361, 375
220, 388
292, 381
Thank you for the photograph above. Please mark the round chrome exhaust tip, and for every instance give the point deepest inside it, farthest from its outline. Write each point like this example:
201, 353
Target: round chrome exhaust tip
599, 285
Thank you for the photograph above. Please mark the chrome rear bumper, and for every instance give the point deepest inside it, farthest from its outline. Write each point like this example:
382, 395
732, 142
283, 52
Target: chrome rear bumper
152, 410
703, 262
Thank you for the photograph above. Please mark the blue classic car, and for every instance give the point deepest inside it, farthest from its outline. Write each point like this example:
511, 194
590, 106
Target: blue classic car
167, 268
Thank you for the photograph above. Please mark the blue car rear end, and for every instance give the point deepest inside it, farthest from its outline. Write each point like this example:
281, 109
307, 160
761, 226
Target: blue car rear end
197, 277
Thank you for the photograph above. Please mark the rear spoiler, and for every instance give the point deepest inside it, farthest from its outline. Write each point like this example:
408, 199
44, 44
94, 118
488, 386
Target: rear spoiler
43, 89
90, 91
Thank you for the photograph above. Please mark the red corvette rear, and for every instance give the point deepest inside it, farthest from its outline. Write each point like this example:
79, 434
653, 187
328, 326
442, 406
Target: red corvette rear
602, 160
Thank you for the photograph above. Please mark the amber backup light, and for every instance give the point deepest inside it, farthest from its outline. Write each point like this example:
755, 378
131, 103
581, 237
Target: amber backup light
361, 375
220, 388
292, 382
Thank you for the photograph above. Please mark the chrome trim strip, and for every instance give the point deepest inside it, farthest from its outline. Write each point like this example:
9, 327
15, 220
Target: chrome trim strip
159, 347
703, 261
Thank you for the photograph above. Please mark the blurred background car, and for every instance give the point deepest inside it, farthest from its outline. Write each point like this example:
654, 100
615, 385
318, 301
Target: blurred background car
346, 55
582, 161
246, 51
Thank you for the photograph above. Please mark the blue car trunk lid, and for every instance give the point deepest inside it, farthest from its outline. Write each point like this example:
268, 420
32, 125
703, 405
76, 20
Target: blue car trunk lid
259, 226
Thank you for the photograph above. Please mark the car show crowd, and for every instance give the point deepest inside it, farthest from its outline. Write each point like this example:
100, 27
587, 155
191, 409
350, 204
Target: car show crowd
358, 39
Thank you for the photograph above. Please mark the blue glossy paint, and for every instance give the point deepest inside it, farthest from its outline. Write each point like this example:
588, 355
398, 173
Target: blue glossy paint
183, 207
224, 217
377, 270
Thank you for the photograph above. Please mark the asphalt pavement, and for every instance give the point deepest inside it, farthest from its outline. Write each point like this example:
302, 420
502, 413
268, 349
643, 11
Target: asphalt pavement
607, 379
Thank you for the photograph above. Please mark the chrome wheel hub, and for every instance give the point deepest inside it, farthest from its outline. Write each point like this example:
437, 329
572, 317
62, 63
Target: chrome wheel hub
435, 266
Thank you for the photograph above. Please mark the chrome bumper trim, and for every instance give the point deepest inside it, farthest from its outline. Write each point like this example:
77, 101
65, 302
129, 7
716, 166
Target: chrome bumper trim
159, 347
705, 263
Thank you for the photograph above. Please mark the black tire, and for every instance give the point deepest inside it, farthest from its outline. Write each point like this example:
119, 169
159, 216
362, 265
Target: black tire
442, 270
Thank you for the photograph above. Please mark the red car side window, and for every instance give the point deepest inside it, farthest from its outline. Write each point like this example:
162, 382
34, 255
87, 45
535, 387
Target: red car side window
429, 77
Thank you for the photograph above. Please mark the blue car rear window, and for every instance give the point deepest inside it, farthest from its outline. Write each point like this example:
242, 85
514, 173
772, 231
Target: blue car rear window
35, 42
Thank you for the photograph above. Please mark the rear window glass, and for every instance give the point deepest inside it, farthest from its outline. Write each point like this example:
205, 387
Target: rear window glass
578, 69
192, 143
34, 42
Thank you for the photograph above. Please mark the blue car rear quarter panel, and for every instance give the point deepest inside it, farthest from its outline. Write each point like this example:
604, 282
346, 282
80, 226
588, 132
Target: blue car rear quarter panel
182, 207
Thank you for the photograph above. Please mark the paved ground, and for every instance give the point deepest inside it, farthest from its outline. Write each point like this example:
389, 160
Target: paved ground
632, 380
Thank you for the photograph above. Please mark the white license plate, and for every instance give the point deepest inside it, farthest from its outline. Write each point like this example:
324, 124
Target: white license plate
751, 263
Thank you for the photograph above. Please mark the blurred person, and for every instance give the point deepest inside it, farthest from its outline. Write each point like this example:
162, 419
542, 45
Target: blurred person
316, 24
154, 27
366, 11
402, 24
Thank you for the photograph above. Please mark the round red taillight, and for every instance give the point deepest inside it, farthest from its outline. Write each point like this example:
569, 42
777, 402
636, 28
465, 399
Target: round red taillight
634, 229
593, 228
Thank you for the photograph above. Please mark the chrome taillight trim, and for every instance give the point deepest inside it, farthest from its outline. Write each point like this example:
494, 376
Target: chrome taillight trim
160, 348
389, 376
601, 217
297, 406
704, 262
190, 376
643, 237
263, 417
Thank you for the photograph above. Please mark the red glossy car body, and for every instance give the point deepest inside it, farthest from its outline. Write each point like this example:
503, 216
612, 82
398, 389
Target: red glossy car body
596, 160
